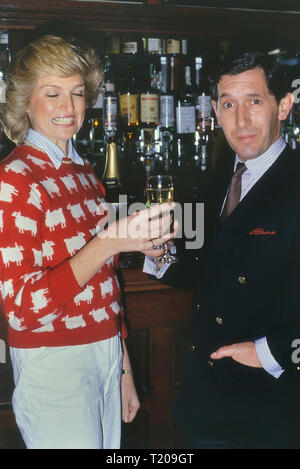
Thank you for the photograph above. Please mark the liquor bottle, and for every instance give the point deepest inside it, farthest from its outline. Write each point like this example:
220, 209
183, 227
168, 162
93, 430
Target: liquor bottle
186, 108
173, 49
154, 46
164, 75
205, 152
289, 130
129, 100
131, 45
149, 101
97, 145
5, 55
112, 44
110, 105
111, 176
83, 138
203, 98
167, 125
186, 117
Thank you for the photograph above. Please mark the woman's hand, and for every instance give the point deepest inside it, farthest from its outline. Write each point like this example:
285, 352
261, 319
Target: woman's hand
140, 231
130, 400
134, 233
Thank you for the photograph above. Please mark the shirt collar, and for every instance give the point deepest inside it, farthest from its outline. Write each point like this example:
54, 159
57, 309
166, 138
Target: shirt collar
53, 151
259, 165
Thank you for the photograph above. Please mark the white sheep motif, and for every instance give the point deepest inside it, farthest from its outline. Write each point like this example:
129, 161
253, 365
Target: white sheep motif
86, 295
25, 223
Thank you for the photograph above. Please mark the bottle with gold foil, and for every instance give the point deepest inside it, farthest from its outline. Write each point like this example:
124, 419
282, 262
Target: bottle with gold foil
111, 177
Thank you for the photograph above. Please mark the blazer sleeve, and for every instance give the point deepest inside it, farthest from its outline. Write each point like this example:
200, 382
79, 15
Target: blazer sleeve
284, 341
186, 271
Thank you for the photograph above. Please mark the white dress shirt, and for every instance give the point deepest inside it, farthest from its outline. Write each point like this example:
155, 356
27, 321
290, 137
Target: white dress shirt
53, 151
256, 167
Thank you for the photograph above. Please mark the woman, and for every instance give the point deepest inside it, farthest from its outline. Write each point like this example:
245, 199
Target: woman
59, 288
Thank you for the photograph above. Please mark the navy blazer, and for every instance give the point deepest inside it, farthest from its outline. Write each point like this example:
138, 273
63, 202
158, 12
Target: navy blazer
247, 286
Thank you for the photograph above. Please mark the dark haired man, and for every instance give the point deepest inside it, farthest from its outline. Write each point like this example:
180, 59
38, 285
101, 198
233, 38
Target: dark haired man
241, 383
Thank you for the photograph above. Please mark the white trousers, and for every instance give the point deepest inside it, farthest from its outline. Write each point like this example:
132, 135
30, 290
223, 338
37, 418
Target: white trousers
69, 397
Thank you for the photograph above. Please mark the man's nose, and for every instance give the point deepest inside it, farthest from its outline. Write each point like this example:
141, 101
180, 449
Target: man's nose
242, 117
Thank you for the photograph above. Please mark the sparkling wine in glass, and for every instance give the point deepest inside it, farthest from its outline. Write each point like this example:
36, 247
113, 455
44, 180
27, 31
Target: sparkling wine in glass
160, 189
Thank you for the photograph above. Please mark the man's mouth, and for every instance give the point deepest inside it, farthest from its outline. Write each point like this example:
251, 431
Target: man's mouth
246, 138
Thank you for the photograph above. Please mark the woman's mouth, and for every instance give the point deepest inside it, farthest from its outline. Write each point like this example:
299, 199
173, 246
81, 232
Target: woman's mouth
63, 120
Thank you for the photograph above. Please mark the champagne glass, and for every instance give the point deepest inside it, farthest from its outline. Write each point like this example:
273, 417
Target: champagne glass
160, 189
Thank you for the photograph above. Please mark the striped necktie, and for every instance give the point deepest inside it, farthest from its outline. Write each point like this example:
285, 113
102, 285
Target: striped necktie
234, 192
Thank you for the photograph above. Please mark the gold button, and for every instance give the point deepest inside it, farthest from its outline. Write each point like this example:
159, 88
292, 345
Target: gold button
197, 306
211, 364
193, 348
219, 321
196, 258
242, 280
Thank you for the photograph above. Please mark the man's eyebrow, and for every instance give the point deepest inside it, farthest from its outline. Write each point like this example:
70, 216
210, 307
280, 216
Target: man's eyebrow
249, 95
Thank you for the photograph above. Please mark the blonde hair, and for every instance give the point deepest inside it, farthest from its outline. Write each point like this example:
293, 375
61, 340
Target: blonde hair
51, 55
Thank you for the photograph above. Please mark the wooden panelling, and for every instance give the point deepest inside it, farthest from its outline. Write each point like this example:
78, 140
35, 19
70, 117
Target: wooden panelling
279, 5
160, 19
158, 322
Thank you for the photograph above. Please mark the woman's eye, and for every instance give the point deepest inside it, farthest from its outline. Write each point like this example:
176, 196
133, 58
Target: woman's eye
52, 95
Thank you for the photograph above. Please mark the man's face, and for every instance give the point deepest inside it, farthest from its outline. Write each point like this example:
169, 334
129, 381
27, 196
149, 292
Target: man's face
249, 114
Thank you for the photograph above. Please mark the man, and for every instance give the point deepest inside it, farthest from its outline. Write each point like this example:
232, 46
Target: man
241, 384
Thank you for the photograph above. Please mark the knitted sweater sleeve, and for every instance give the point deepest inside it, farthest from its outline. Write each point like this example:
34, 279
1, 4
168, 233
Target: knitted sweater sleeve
32, 295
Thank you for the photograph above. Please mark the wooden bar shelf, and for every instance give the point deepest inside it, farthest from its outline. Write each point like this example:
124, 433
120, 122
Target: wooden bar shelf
154, 18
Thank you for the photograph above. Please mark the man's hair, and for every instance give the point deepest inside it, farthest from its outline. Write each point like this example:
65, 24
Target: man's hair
52, 55
274, 72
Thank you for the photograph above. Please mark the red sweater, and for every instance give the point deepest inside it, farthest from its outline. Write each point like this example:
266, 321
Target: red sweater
46, 216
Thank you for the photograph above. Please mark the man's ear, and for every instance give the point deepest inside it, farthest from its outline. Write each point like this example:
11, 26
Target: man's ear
215, 108
285, 106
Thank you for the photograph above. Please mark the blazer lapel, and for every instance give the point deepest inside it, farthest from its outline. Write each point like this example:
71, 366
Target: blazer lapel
259, 199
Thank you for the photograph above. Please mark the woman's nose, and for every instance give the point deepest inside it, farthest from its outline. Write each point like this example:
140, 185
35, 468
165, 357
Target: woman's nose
67, 103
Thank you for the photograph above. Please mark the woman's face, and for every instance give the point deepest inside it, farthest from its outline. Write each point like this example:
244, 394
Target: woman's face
57, 107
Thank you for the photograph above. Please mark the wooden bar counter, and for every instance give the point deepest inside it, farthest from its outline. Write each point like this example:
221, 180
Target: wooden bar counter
157, 320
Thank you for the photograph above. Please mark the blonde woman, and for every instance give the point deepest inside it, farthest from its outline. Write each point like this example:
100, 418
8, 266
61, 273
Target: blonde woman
59, 290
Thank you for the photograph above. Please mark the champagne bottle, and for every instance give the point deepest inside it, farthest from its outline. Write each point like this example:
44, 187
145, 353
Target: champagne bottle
111, 177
